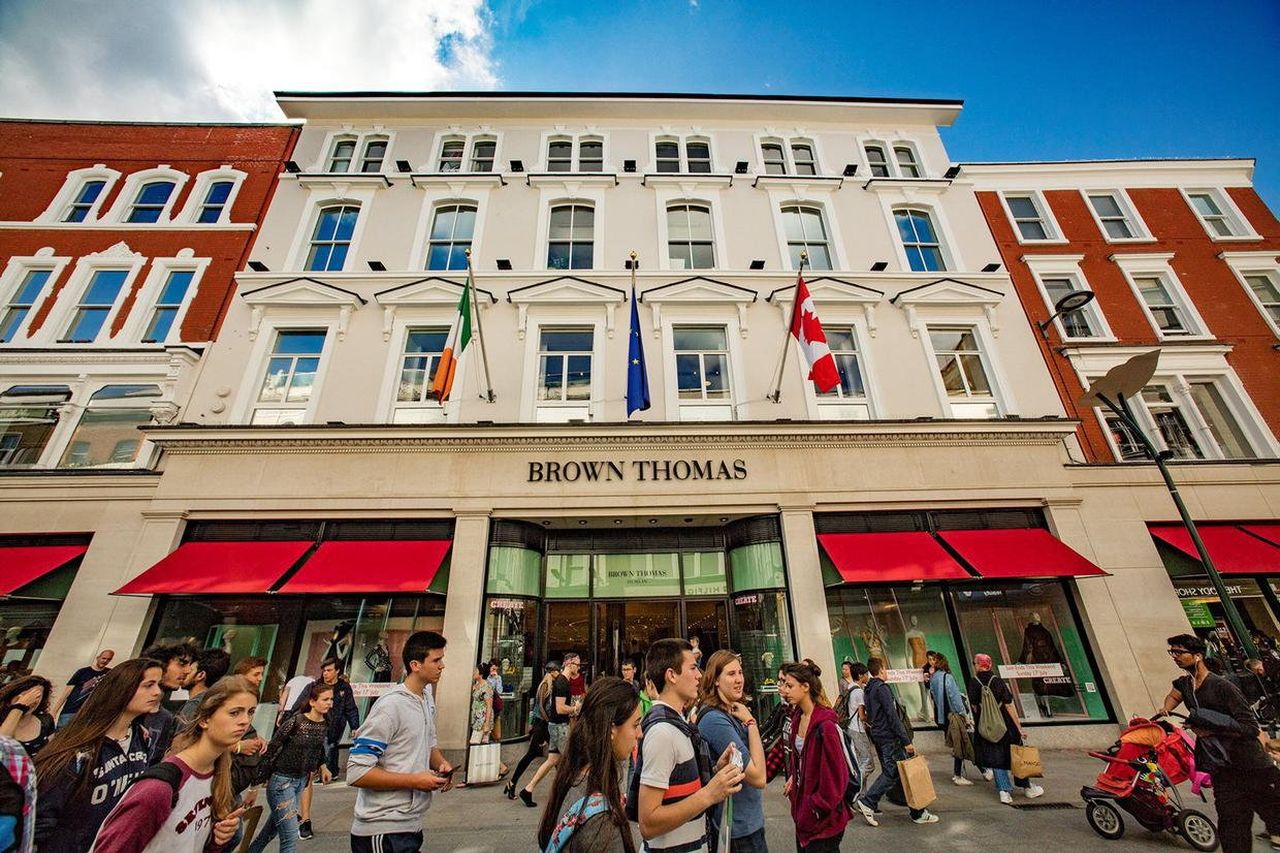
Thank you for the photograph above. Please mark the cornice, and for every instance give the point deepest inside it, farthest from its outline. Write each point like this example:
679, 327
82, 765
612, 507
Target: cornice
86, 356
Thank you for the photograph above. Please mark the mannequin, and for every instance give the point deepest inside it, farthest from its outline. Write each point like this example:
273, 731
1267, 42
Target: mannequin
1038, 646
917, 657
340, 642
875, 645
770, 673
378, 660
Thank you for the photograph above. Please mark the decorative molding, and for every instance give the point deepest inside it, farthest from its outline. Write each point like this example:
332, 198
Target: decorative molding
565, 290
301, 293
698, 290
948, 293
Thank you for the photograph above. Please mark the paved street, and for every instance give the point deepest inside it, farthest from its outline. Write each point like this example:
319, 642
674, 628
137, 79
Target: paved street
481, 820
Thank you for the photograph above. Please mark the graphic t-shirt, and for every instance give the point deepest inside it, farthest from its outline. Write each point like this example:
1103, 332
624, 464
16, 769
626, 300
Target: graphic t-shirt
145, 821
82, 683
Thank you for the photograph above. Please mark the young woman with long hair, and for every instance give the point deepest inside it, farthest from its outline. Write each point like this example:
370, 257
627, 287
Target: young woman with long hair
84, 769
724, 719
24, 712
948, 700
538, 735
296, 752
150, 819
585, 812
819, 775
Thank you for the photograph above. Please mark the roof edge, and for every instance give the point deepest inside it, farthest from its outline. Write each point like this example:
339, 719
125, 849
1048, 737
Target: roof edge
673, 96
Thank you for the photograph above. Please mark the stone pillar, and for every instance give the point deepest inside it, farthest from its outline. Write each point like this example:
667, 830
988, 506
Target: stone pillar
127, 542
463, 611
808, 596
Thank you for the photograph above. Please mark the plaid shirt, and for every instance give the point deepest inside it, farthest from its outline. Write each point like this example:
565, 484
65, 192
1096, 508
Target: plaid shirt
22, 771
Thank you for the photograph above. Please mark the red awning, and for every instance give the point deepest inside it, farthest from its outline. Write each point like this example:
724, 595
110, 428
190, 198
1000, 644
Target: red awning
1234, 552
1028, 552
24, 564
1269, 532
389, 566
226, 568
886, 557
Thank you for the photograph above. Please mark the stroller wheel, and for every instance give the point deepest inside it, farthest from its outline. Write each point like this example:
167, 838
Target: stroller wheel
1105, 819
1197, 829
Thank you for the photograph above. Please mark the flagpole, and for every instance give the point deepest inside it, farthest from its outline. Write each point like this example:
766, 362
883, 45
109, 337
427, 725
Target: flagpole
475, 311
776, 396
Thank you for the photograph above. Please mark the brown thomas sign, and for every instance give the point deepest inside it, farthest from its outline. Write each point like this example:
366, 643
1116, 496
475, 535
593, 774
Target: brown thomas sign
598, 470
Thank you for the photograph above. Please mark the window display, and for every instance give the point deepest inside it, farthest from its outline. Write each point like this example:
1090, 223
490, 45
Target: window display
897, 624
1032, 635
762, 635
1204, 611
510, 637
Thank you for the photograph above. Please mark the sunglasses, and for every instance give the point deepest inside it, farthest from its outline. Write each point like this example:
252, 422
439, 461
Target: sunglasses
1179, 652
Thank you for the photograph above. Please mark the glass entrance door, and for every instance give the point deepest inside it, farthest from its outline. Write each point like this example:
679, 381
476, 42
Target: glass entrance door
626, 629
707, 628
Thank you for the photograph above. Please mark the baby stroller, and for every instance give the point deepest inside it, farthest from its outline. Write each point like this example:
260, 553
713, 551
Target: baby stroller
1143, 769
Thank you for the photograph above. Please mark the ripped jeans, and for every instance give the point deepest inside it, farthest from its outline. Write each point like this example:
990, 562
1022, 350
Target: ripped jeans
284, 795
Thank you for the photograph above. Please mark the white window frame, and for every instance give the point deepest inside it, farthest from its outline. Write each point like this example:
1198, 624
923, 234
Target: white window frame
941, 228
442, 195
367, 140
835, 408
118, 257
200, 189
1156, 264
533, 410
264, 344
428, 411
320, 166
145, 303
865, 159
786, 140
576, 138
134, 183
468, 138
82, 402
1179, 388
1142, 234
835, 243
1245, 264
1241, 229
986, 350
681, 141
15, 273
1068, 266
75, 181
1047, 218
887, 144
361, 196
665, 197
737, 377
550, 197
914, 154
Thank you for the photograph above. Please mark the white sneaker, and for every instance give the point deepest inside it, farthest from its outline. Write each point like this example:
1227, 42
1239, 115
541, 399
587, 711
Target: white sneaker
927, 817
1006, 798
960, 780
988, 775
1034, 791
867, 813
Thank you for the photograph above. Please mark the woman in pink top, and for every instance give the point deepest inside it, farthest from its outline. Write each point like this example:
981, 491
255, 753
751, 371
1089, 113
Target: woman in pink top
185, 804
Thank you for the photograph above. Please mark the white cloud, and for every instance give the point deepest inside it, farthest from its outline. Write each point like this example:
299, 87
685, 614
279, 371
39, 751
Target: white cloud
205, 60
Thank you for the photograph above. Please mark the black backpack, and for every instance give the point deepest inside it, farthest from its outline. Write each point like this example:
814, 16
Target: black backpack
663, 714
167, 772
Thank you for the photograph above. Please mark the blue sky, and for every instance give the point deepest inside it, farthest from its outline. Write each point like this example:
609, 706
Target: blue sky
1075, 80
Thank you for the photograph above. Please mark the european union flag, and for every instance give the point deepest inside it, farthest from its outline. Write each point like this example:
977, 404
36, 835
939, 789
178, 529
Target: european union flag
637, 373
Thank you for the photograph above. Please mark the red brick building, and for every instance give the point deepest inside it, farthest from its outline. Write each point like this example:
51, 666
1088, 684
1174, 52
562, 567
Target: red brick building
118, 247
1180, 254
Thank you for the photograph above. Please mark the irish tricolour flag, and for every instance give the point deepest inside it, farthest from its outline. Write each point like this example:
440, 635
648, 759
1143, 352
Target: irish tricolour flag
807, 329
459, 337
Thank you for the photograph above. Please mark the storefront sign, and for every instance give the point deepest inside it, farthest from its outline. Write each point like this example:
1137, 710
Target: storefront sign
370, 689
639, 470
1208, 591
1031, 670
506, 604
745, 600
903, 676
1198, 614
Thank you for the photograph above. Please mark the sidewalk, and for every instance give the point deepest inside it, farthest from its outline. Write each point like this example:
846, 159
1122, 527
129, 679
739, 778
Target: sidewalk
482, 820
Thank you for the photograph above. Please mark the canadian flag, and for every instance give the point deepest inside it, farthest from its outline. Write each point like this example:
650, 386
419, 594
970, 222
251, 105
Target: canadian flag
807, 329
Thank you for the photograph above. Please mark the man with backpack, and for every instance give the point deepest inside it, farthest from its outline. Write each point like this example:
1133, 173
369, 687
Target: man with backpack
892, 742
674, 785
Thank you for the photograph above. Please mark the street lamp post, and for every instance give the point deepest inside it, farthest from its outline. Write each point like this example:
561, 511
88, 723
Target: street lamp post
1114, 390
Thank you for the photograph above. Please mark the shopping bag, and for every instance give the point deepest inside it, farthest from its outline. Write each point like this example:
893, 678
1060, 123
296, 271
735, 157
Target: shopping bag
249, 823
1026, 762
917, 784
483, 761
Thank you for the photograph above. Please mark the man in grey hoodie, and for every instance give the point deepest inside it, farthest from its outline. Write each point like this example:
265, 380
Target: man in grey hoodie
395, 763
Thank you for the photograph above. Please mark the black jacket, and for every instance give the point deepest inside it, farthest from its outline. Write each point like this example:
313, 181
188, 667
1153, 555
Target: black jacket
344, 712
883, 723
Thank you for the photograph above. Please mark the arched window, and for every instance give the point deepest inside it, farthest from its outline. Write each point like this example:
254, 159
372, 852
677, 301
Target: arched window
802, 156
908, 167
482, 153
150, 201
571, 237
560, 155
698, 153
806, 232
775, 161
332, 237
667, 155
690, 244
84, 201
876, 161
344, 149
919, 240
375, 151
451, 155
451, 233
214, 201
591, 155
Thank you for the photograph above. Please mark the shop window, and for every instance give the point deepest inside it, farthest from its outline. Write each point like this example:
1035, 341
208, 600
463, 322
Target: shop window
27, 625
762, 636
898, 625
107, 435
1033, 636
636, 575
1204, 611
28, 415
704, 573
757, 566
514, 571
511, 638
568, 575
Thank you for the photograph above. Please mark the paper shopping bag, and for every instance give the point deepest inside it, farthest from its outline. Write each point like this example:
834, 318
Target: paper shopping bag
1026, 762
482, 763
917, 784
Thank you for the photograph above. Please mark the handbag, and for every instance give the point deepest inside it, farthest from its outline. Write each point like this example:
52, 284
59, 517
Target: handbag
1025, 762
991, 727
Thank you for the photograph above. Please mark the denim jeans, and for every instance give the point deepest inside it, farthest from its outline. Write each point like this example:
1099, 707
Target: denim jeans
890, 755
1005, 781
753, 843
284, 795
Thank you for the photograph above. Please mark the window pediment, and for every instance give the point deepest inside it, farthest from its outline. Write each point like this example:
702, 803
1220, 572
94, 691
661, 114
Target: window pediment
566, 290
698, 290
826, 290
302, 293
432, 292
949, 293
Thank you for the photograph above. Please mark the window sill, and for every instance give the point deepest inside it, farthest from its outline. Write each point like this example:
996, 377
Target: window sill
813, 182
553, 179
1236, 238
435, 179
1129, 241
335, 179
936, 185
703, 179
1048, 241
